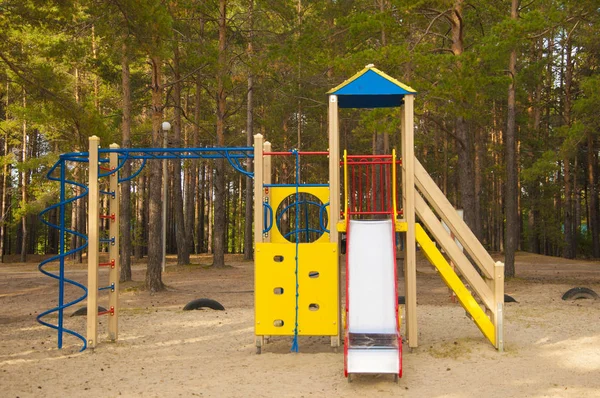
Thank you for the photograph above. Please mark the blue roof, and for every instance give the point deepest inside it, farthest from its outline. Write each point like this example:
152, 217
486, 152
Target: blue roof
371, 88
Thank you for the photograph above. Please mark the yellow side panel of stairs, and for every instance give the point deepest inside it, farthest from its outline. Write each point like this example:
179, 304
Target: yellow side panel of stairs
453, 282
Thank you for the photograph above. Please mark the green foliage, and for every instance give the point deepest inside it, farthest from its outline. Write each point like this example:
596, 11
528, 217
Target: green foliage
61, 75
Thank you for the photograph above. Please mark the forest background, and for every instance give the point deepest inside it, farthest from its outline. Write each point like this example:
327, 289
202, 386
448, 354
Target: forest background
506, 111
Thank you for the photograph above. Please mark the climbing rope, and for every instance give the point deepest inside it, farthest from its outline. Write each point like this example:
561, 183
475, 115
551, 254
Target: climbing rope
295, 341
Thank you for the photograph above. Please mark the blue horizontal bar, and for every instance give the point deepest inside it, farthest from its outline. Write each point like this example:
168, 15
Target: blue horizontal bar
109, 287
111, 193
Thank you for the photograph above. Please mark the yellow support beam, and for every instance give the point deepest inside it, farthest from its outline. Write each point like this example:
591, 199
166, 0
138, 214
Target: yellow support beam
453, 282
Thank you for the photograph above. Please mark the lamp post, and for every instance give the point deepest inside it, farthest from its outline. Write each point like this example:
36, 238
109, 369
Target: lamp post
166, 127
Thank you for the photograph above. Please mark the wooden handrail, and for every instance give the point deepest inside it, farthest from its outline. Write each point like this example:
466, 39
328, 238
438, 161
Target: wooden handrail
459, 228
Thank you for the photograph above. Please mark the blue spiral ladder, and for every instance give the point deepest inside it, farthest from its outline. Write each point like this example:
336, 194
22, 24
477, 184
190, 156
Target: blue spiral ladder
61, 165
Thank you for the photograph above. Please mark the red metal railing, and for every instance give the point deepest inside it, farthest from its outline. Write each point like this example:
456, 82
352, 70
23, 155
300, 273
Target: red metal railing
370, 188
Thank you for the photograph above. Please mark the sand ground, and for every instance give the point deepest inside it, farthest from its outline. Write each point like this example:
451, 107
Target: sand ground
552, 346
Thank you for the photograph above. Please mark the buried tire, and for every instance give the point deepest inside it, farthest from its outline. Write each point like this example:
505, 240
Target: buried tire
203, 303
509, 299
83, 311
578, 293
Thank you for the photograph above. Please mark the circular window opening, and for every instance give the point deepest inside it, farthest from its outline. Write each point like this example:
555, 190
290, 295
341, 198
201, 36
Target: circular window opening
303, 218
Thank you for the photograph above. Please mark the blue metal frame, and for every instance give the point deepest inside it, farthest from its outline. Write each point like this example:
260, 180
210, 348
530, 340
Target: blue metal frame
233, 156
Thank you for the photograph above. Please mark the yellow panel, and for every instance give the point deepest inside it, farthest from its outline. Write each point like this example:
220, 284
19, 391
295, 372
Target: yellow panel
278, 194
321, 290
401, 226
453, 282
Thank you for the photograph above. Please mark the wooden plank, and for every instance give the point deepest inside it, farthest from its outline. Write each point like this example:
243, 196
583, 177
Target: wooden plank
258, 217
408, 193
267, 178
114, 271
93, 243
456, 255
258, 188
498, 313
459, 228
334, 196
334, 166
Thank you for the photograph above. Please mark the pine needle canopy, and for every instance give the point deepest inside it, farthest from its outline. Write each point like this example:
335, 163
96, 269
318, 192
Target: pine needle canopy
371, 88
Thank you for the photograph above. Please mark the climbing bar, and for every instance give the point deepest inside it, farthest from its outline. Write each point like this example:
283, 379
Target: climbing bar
110, 264
105, 168
108, 216
110, 287
111, 311
305, 153
108, 240
268, 225
110, 193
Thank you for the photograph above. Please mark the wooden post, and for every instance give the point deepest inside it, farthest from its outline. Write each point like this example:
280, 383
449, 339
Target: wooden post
498, 312
113, 254
258, 188
267, 176
334, 197
258, 216
93, 243
408, 199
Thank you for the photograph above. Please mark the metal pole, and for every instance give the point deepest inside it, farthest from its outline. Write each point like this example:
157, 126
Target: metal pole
164, 207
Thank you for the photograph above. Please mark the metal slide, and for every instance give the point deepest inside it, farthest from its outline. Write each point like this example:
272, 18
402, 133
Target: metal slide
372, 337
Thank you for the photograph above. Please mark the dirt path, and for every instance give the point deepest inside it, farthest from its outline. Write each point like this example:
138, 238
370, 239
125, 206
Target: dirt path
552, 346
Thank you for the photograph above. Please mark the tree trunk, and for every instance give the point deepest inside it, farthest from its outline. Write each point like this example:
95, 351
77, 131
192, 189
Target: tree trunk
569, 250
593, 222
125, 205
139, 232
209, 209
183, 252
200, 203
82, 220
74, 214
192, 172
219, 206
154, 271
24, 189
5, 171
466, 173
512, 216
479, 156
233, 221
248, 242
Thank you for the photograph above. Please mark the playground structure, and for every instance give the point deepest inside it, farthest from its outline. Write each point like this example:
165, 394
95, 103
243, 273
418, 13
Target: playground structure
371, 331
297, 272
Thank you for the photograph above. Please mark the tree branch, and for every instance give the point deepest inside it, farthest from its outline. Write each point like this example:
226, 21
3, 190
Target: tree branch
429, 27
